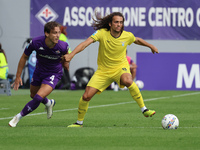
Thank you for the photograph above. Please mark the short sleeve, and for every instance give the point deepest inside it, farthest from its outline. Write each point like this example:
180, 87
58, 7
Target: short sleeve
29, 48
131, 39
96, 36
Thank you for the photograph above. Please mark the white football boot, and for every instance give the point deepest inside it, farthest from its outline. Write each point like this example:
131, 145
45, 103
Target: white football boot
49, 109
14, 122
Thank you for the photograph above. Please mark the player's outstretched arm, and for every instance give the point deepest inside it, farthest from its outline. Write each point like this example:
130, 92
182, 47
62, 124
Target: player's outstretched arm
21, 64
78, 49
140, 41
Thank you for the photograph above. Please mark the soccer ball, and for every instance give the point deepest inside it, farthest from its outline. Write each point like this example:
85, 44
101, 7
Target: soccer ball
170, 121
140, 84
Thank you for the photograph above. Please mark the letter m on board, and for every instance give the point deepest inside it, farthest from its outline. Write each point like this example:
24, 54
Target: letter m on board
188, 77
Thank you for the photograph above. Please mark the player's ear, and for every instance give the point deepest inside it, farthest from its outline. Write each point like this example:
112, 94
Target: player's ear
110, 24
46, 34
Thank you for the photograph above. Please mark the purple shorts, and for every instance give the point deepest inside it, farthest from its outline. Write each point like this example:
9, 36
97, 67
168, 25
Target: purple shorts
45, 78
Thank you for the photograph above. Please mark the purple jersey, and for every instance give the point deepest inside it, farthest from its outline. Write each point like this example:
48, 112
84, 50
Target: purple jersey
48, 60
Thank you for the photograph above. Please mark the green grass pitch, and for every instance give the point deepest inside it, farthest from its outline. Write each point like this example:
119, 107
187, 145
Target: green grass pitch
113, 122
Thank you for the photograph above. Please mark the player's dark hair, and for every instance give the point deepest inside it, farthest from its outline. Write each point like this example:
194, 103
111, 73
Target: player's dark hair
100, 23
50, 26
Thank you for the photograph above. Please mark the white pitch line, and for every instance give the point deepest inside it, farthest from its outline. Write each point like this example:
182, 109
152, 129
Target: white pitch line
188, 94
144, 127
3, 108
151, 99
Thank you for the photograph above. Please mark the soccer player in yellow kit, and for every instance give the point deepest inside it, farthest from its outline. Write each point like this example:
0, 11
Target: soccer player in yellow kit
112, 62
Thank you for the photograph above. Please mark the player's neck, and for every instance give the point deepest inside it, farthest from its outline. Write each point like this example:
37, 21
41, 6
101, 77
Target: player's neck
115, 34
49, 44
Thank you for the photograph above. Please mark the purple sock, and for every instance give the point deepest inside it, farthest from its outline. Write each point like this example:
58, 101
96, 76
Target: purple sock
45, 100
32, 105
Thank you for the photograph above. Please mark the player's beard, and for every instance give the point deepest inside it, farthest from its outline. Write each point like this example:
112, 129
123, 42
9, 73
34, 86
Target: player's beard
118, 31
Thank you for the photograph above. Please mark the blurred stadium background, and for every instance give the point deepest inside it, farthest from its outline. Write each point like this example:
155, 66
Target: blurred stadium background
19, 20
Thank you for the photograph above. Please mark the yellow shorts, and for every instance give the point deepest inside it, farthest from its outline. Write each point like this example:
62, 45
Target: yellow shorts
102, 78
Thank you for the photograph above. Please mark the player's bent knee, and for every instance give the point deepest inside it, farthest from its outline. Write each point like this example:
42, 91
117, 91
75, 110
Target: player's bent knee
86, 97
38, 98
127, 83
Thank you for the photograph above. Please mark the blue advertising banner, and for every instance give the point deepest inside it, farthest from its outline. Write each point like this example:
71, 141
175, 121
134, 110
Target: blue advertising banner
169, 71
166, 19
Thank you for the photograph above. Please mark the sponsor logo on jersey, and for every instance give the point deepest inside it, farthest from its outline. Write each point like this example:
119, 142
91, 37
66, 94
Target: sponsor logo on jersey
124, 69
53, 57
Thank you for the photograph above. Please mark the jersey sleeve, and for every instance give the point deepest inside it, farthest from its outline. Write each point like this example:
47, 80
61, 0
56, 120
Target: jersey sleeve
66, 49
96, 35
29, 48
131, 39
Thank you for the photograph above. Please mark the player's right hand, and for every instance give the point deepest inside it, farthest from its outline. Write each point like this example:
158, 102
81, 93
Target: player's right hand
154, 49
17, 83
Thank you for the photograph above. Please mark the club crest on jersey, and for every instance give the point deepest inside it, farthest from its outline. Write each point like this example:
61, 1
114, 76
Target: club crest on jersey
123, 43
57, 52
46, 14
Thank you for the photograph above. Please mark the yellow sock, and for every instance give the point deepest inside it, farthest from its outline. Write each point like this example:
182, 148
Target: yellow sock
82, 109
136, 94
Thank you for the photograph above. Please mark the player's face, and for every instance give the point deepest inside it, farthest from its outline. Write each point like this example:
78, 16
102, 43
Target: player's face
117, 24
54, 35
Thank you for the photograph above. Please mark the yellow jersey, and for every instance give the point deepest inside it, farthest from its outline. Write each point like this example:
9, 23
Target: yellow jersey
112, 51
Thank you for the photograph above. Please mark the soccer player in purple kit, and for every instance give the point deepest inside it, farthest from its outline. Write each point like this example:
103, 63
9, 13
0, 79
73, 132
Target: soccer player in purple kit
48, 70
